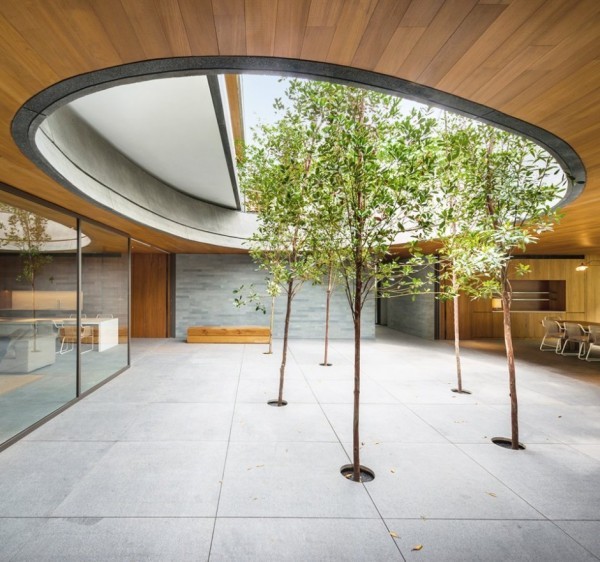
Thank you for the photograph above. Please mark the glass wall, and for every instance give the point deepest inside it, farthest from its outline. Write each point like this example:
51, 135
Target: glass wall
105, 310
56, 341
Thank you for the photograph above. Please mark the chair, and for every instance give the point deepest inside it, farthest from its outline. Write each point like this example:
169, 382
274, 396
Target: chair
574, 334
69, 338
57, 326
552, 337
593, 343
68, 335
87, 337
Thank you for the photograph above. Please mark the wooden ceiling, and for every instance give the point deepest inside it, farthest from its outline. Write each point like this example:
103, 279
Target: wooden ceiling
537, 60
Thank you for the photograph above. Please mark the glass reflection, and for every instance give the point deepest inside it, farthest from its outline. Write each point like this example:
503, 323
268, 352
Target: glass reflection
38, 294
105, 310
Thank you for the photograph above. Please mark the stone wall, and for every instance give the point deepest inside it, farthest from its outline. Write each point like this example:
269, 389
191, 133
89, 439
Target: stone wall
204, 296
413, 315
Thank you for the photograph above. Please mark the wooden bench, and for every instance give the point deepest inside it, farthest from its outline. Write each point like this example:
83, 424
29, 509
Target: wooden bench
228, 334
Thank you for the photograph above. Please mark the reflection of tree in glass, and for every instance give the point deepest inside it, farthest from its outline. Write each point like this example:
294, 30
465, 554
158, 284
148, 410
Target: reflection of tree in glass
26, 232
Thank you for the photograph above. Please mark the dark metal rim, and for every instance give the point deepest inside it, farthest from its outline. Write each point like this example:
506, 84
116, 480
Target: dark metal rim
463, 391
506, 443
37, 108
366, 474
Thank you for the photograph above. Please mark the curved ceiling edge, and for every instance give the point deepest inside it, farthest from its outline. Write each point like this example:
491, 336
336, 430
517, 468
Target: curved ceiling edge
210, 223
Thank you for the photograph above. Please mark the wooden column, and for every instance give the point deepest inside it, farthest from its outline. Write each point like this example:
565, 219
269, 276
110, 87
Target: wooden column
150, 296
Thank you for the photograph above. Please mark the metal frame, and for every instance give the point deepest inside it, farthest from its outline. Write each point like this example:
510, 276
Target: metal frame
78, 391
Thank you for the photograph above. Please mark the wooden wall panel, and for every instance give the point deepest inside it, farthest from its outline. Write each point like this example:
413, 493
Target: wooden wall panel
592, 288
582, 302
536, 60
149, 295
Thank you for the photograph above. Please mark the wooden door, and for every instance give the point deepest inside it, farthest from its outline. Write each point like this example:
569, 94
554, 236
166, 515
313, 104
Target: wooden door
149, 295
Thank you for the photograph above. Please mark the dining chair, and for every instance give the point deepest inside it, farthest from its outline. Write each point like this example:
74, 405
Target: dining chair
553, 336
574, 334
593, 343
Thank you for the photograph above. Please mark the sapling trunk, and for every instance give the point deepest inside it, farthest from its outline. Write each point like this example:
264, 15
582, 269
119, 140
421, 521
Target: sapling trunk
355, 425
35, 327
457, 337
286, 328
327, 303
510, 357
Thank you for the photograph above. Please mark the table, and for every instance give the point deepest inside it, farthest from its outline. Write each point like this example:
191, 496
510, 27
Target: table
106, 330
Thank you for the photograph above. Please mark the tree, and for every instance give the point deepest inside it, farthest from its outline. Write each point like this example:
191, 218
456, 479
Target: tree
276, 177
325, 245
27, 232
370, 186
463, 256
511, 185
249, 296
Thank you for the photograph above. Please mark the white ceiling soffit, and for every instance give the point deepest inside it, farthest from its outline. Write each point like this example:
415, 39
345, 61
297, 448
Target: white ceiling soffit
169, 128
58, 237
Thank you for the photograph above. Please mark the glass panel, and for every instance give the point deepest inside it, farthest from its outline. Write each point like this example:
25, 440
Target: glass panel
38, 294
105, 309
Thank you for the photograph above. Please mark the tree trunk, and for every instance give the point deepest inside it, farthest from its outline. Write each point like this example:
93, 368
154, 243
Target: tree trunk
288, 312
457, 342
510, 357
271, 323
328, 302
355, 432
35, 326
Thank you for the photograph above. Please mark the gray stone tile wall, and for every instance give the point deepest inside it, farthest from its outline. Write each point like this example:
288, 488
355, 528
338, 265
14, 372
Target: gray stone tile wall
104, 282
414, 316
204, 297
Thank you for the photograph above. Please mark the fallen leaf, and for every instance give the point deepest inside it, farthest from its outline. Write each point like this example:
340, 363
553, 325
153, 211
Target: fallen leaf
560, 416
259, 465
394, 534
491, 494
349, 475
424, 518
417, 547
393, 471
362, 443
377, 442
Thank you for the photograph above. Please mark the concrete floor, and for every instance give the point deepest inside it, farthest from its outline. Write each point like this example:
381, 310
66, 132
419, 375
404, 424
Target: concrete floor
180, 458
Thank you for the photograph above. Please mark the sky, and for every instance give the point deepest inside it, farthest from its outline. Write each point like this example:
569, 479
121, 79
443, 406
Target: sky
260, 91
258, 94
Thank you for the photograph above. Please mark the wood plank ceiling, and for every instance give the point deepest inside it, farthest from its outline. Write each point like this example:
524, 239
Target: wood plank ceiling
538, 60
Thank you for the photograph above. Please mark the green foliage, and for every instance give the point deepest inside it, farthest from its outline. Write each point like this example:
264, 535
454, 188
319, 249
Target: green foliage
494, 193
27, 232
276, 176
245, 296
372, 161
